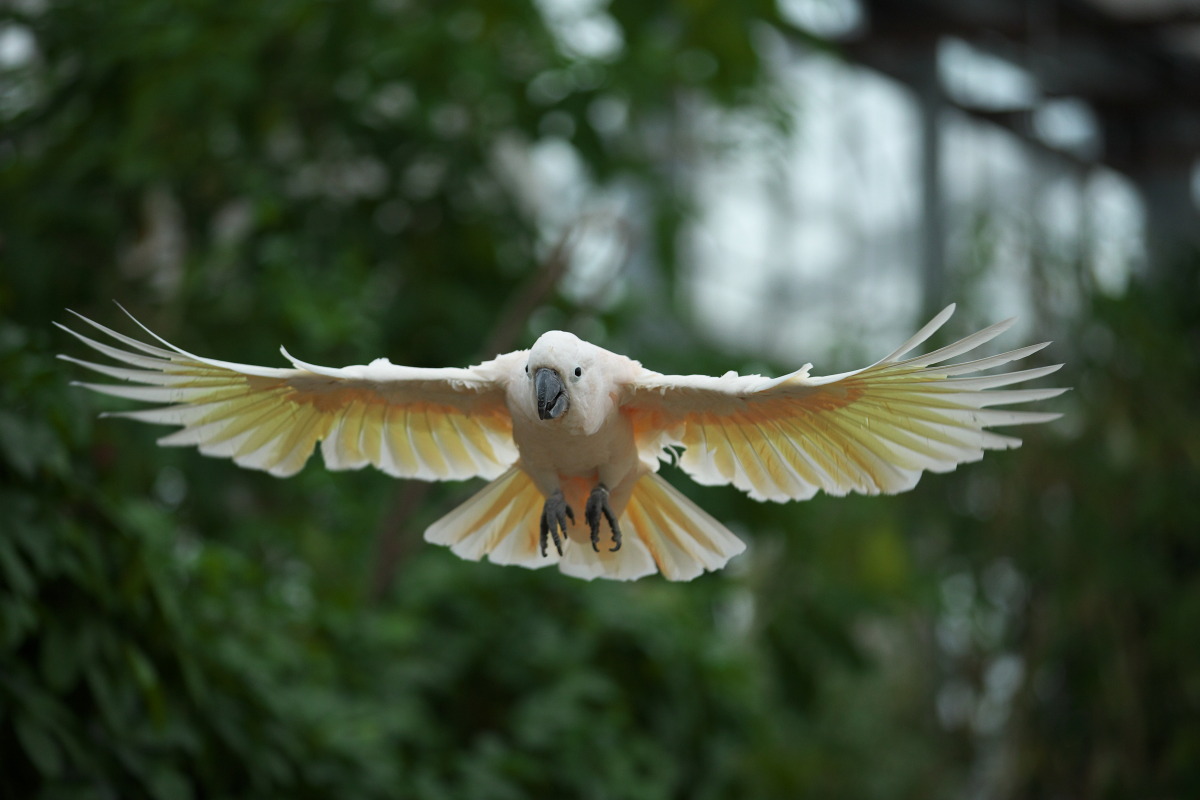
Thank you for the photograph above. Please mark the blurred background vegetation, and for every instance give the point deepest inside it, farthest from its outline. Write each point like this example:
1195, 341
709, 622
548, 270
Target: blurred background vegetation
440, 182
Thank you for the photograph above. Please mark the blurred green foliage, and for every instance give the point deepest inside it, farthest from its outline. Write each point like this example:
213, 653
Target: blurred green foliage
326, 175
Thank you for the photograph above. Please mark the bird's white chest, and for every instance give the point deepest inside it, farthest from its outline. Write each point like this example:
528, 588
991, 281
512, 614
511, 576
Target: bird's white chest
570, 450
587, 441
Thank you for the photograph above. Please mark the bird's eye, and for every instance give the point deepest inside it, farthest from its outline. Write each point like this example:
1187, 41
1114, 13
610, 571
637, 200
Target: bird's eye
578, 371
526, 369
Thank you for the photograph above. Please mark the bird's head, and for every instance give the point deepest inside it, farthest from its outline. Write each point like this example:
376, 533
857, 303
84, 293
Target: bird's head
560, 375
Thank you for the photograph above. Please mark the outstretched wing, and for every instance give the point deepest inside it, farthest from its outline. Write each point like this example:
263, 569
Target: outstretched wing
872, 430
432, 424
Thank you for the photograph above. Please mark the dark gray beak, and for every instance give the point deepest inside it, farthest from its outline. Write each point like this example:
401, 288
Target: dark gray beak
551, 394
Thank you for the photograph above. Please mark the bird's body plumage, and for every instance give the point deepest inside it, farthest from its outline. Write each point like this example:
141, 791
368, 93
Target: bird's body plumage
567, 421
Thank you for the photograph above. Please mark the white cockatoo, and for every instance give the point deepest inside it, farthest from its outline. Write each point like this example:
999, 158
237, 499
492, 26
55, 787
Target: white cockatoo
567, 425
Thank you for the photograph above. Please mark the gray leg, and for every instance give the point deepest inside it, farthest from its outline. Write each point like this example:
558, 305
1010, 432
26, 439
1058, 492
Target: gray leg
597, 504
554, 517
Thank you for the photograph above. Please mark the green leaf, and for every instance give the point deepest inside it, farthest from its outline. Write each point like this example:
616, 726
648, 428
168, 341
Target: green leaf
17, 619
61, 657
16, 575
39, 745
28, 445
16, 445
169, 784
105, 695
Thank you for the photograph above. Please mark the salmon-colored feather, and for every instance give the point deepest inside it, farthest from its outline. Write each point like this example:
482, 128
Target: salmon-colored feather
400, 419
874, 430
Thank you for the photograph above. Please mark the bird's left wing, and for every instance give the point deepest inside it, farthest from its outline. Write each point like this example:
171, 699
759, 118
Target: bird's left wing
872, 430
432, 424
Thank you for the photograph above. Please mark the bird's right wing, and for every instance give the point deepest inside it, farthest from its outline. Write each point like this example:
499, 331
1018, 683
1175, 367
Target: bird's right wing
432, 424
872, 430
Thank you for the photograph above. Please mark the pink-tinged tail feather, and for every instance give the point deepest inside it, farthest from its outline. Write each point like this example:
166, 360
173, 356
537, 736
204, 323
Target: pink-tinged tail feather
499, 521
683, 539
662, 531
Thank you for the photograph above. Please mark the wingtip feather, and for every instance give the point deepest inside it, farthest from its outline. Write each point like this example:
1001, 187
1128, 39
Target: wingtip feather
927, 330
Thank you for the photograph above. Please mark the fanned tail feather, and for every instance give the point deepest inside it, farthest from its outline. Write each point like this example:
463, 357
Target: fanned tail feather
499, 521
683, 539
662, 530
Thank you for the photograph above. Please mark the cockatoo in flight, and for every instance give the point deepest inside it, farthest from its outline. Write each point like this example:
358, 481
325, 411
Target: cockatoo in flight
567, 426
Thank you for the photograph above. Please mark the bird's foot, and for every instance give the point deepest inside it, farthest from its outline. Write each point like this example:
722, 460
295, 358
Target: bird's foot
555, 514
597, 504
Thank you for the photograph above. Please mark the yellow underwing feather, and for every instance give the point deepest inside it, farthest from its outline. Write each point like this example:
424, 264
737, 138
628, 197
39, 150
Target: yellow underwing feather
372, 432
435, 424
872, 430
455, 442
425, 445
398, 456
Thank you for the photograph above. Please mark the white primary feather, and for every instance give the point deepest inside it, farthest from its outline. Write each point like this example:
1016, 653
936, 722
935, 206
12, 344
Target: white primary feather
871, 430
433, 424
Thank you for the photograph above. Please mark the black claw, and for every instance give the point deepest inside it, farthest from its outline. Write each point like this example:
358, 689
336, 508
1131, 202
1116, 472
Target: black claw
597, 504
616, 529
555, 514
